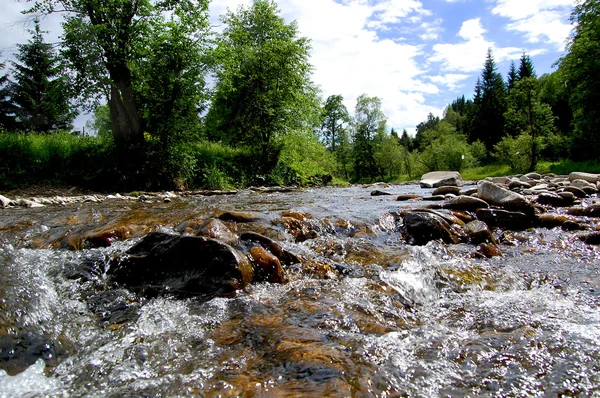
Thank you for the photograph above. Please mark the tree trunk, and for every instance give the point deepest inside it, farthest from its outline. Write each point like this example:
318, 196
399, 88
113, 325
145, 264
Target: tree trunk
125, 122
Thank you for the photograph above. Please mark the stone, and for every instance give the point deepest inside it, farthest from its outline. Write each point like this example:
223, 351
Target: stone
214, 228
590, 211
266, 266
479, 232
518, 184
551, 220
576, 175
533, 176
467, 191
421, 227
505, 219
467, 203
580, 193
499, 180
182, 266
295, 214
377, 192
487, 250
434, 198
583, 184
240, 216
5, 202
592, 238
446, 190
571, 225
552, 199
403, 198
29, 203
300, 230
286, 257
498, 196
437, 179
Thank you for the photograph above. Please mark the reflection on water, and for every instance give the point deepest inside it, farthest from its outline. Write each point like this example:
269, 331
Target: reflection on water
400, 321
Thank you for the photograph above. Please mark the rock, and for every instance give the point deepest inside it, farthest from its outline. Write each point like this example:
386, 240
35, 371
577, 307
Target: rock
499, 180
215, 229
446, 215
498, 196
468, 191
5, 202
380, 193
468, 203
590, 211
551, 220
571, 225
583, 184
580, 193
286, 257
518, 184
406, 197
182, 266
441, 178
295, 214
446, 190
423, 227
267, 267
504, 219
533, 176
240, 216
300, 230
591, 238
487, 250
478, 232
576, 175
435, 198
552, 199
29, 203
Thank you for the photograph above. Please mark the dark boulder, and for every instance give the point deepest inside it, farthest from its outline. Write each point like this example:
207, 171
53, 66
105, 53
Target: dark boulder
479, 232
403, 198
182, 266
551, 220
286, 257
552, 199
377, 192
468, 203
267, 267
421, 227
241, 216
511, 220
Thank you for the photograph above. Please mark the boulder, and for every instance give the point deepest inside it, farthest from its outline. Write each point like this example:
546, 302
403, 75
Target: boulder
583, 184
214, 228
434, 198
571, 225
576, 175
533, 176
240, 216
182, 266
590, 211
29, 203
479, 232
286, 257
511, 220
421, 227
551, 220
518, 184
467, 191
267, 267
377, 192
468, 203
552, 199
5, 202
499, 180
403, 198
446, 190
498, 196
437, 179
580, 193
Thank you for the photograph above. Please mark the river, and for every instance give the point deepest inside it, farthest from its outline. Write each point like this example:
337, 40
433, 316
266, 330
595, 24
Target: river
366, 316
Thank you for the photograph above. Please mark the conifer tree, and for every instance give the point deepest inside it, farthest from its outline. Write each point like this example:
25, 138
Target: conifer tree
7, 119
40, 91
526, 68
512, 77
487, 124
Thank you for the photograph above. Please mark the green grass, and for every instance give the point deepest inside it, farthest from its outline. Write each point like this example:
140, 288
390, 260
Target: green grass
569, 166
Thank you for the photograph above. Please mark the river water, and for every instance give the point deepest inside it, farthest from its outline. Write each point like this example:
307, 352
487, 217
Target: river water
399, 320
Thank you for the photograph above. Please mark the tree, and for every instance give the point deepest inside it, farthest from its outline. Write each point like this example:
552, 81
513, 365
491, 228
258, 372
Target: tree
526, 68
335, 118
526, 114
7, 118
263, 88
100, 122
40, 89
487, 124
430, 124
369, 122
406, 140
581, 69
512, 77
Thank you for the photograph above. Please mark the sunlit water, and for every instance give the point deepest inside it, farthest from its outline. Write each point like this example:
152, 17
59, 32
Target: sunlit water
403, 321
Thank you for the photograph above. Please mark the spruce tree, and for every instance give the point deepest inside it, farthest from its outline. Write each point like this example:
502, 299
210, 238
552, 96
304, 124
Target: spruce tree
7, 118
40, 89
487, 124
512, 77
526, 68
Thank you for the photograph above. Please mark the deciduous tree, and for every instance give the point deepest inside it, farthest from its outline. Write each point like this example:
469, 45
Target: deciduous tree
369, 121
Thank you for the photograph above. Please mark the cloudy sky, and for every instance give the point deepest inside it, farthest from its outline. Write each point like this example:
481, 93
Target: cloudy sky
417, 56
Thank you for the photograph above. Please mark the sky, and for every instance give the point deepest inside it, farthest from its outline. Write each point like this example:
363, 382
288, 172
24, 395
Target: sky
416, 55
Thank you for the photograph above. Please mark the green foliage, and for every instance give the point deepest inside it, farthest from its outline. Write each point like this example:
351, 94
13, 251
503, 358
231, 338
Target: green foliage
7, 118
553, 91
389, 156
515, 152
581, 69
263, 89
478, 152
369, 125
446, 149
335, 118
40, 92
100, 123
430, 124
526, 68
305, 155
568, 166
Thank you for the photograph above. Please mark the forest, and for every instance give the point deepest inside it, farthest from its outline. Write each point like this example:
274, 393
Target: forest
178, 105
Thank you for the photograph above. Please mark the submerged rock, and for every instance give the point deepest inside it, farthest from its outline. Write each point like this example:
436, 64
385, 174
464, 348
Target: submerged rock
214, 228
267, 267
504, 219
241, 216
437, 179
286, 257
378, 192
422, 227
479, 232
403, 198
182, 266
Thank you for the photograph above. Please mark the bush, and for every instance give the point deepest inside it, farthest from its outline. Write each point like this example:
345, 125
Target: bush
515, 152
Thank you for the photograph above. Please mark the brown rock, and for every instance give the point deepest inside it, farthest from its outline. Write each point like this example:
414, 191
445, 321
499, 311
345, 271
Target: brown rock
214, 228
551, 220
267, 267
504, 219
468, 203
380, 193
446, 190
487, 250
422, 227
283, 255
479, 232
240, 216
403, 198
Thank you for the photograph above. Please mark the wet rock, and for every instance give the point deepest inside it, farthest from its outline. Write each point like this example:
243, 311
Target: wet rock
300, 230
479, 232
423, 227
468, 203
29, 203
446, 215
114, 307
552, 199
580, 193
214, 228
592, 238
571, 225
182, 266
240, 216
286, 257
499, 180
498, 196
295, 214
465, 217
504, 219
267, 267
518, 184
5, 202
403, 198
587, 187
437, 179
590, 211
576, 175
446, 190
533, 176
487, 250
377, 192
435, 198
551, 220
21, 350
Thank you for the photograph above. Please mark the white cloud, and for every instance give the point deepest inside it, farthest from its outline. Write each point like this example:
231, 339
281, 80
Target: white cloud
450, 80
543, 21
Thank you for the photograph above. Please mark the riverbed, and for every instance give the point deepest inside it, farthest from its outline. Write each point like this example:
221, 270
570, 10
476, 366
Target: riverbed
365, 314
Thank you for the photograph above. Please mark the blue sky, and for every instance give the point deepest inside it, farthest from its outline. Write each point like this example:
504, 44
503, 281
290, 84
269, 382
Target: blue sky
416, 55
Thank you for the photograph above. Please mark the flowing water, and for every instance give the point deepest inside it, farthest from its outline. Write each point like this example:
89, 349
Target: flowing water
366, 315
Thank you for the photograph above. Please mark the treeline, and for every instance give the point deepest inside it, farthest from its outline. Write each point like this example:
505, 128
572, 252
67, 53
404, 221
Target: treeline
177, 104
